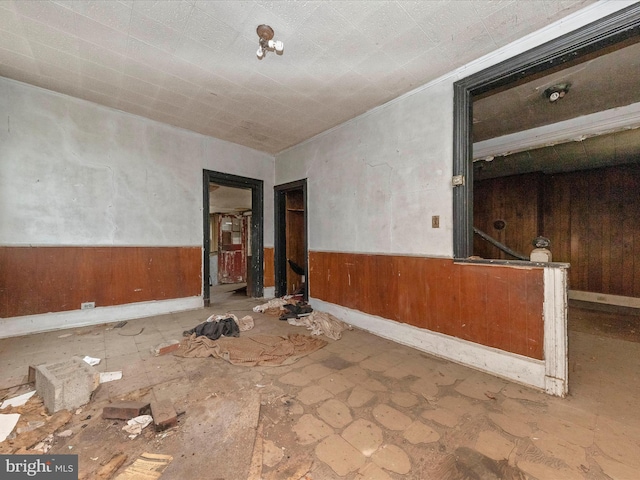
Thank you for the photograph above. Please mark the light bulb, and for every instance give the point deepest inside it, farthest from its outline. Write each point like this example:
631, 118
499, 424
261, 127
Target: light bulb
279, 46
260, 52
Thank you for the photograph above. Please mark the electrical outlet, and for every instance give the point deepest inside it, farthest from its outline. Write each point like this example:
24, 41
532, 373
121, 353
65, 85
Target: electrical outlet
435, 221
87, 305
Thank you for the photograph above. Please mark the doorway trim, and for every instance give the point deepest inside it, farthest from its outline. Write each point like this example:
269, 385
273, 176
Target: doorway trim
602, 33
257, 228
280, 240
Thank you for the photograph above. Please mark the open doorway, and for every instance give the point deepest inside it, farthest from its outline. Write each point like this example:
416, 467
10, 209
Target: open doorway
291, 250
233, 234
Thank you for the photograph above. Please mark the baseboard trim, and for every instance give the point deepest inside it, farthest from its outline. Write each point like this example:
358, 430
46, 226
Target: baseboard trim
608, 299
46, 322
510, 366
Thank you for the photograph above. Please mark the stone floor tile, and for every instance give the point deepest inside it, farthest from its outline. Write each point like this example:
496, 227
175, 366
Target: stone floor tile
310, 429
418, 432
336, 383
519, 392
404, 399
480, 386
363, 435
393, 458
426, 388
615, 469
381, 362
544, 471
316, 371
271, 453
459, 405
340, 455
390, 418
371, 471
335, 413
313, 394
442, 416
553, 446
351, 355
355, 374
618, 441
373, 385
494, 445
566, 430
511, 425
295, 378
359, 397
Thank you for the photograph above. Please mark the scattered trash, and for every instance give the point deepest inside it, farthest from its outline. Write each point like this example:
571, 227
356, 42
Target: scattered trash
78, 411
489, 396
131, 334
260, 386
65, 434
296, 310
148, 466
165, 348
214, 328
321, 323
135, 426
125, 410
30, 427
110, 376
17, 401
66, 385
107, 470
273, 303
246, 323
7, 424
164, 415
91, 361
65, 335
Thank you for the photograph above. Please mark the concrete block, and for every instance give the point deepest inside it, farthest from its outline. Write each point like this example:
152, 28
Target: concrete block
66, 385
165, 348
164, 415
125, 410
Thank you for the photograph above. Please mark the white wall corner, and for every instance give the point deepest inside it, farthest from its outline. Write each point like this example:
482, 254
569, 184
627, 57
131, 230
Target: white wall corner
555, 331
46, 322
510, 366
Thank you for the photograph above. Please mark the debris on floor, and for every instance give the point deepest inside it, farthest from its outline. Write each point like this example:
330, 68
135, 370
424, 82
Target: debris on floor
166, 347
296, 310
110, 376
17, 401
215, 328
254, 350
273, 303
91, 360
135, 425
321, 323
125, 410
148, 466
164, 415
66, 385
106, 471
8, 422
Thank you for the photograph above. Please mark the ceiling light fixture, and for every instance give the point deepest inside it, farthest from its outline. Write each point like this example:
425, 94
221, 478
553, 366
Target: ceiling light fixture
556, 92
265, 33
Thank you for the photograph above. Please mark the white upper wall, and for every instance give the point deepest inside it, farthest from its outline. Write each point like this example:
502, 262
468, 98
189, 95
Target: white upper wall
76, 173
375, 182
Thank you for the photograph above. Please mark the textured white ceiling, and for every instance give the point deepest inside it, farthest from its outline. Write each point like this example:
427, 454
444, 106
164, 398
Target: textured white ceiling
193, 64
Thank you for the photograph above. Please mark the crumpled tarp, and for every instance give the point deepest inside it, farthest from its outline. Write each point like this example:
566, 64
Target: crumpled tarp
253, 350
321, 323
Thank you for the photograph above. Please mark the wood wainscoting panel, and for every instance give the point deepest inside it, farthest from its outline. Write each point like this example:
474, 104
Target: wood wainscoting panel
38, 280
269, 277
496, 306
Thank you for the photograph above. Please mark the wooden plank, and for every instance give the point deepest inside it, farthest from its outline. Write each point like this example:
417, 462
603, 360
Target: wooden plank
269, 277
473, 303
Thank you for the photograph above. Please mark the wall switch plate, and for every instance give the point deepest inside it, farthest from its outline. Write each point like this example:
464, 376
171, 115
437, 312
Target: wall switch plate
87, 305
435, 221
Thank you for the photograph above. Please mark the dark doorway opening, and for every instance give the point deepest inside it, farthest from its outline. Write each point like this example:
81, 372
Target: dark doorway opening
291, 248
255, 241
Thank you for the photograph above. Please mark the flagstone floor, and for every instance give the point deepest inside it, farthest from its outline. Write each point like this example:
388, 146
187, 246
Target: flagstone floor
361, 407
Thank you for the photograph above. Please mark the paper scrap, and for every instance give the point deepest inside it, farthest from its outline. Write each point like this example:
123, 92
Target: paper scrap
7, 424
17, 401
148, 466
110, 376
91, 361
136, 424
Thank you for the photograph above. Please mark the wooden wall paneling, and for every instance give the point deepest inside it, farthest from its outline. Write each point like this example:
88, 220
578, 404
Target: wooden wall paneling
21, 268
630, 222
498, 311
473, 303
518, 306
430, 269
579, 231
534, 312
617, 206
448, 299
595, 246
605, 221
634, 172
410, 291
269, 268
4, 282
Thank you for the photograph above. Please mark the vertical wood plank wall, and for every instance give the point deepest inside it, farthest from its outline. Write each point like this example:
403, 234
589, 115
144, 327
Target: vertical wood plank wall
590, 216
37, 280
269, 268
495, 306
295, 237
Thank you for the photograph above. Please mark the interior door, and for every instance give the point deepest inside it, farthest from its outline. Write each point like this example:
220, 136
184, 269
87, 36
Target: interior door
232, 252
